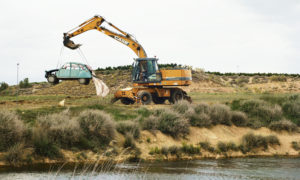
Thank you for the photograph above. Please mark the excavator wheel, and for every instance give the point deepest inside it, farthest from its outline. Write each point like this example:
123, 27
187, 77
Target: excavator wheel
144, 97
127, 101
176, 95
158, 100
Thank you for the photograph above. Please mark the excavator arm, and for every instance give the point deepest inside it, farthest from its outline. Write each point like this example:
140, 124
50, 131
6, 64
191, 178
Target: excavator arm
95, 23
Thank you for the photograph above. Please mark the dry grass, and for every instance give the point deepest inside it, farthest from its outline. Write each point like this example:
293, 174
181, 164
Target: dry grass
12, 130
97, 125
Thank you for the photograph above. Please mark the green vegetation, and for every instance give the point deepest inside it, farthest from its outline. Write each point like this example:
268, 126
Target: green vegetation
283, 125
130, 127
25, 83
207, 146
129, 141
296, 145
14, 154
3, 86
251, 142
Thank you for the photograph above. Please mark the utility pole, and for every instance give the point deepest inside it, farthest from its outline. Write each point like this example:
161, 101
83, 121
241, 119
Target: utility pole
17, 83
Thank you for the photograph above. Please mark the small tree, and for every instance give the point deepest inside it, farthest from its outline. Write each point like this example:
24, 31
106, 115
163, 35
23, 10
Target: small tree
3, 86
25, 83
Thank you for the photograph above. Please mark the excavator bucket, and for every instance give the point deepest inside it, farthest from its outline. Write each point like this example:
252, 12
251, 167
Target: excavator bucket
70, 44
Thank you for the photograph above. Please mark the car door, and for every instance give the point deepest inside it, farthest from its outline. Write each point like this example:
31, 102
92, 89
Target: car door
64, 71
75, 70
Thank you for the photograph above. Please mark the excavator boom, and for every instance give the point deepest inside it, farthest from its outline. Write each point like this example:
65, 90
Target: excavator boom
95, 23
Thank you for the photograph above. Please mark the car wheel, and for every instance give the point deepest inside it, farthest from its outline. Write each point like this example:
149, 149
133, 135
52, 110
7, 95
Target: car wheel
145, 97
127, 101
83, 81
52, 79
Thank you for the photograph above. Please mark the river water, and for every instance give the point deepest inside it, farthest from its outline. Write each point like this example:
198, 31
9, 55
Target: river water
239, 168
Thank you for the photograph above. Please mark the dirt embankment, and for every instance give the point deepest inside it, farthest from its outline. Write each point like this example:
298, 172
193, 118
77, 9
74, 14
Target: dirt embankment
150, 140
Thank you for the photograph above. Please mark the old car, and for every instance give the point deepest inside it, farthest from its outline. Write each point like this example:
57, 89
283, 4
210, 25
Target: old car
70, 71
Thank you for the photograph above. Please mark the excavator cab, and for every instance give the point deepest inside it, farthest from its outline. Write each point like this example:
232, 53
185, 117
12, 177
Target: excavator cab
145, 70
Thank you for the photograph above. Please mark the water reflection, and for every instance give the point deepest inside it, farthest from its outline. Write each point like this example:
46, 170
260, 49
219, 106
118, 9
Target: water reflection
249, 168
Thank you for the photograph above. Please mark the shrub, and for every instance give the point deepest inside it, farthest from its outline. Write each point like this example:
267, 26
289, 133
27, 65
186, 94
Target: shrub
292, 110
174, 150
283, 125
150, 123
3, 86
131, 127
129, 141
43, 146
202, 108
220, 114
14, 153
164, 150
272, 140
261, 110
207, 146
144, 112
251, 141
222, 147
12, 129
278, 78
172, 123
97, 125
60, 128
239, 118
296, 145
254, 123
199, 120
232, 146
190, 149
154, 151
25, 83
181, 106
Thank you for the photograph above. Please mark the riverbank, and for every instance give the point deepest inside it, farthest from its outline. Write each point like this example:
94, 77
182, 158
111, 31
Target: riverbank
149, 142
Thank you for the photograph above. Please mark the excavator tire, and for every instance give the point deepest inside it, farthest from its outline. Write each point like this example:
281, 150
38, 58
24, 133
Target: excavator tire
158, 100
176, 95
144, 97
127, 101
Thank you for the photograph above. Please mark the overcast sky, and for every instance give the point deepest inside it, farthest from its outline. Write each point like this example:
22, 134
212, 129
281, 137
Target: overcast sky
216, 35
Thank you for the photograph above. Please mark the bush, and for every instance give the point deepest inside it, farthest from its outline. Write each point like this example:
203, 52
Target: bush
97, 125
164, 150
199, 120
207, 146
261, 110
174, 150
278, 78
150, 123
3, 86
60, 128
220, 114
129, 127
283, 125
222, 147
25, 83
14, 153
251, 141
172, 123
254, 123
12, 130
190, 149
292, 110
239, 118
43, 146
295, 145
154, 151
181, 106
129, 141
202, 108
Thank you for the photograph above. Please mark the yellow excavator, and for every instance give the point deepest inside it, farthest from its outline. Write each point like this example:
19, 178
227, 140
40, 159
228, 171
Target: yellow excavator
149, 82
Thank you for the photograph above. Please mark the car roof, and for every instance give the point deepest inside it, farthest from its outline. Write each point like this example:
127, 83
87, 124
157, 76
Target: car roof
75, 63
